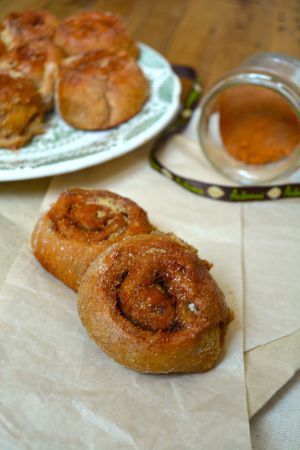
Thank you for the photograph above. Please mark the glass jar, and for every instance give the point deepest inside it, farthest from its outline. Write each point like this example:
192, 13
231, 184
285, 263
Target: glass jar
274, 71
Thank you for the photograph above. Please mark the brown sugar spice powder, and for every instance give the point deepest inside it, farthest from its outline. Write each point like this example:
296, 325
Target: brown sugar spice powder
258, 126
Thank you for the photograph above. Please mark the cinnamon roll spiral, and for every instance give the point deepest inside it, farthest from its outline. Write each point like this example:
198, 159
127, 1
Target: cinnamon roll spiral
79, 226
150, 303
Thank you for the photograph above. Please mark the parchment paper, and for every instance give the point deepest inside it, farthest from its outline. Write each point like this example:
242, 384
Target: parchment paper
281, 359
19, 205
259, 362
20, 202
60, 391
272, 270
276, 426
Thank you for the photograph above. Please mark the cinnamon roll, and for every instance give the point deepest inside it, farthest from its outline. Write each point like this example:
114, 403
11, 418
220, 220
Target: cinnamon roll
150, 303
21, 110
39, 60
24, 26
79, 226
2, 46
89, 31
100, 90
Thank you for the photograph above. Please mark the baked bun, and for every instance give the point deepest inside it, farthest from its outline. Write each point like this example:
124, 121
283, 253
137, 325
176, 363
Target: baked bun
150, 303
2, 46
89, 31
80, 225
24, 26
2, 49
39, 60
21, 110
98, 90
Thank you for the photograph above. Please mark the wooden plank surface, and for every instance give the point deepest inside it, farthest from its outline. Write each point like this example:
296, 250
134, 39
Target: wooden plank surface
214, 36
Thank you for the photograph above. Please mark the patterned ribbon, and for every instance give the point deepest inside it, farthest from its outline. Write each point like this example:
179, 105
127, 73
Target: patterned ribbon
212, 191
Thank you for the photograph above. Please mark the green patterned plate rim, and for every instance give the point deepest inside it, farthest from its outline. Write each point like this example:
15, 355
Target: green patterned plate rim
62, 149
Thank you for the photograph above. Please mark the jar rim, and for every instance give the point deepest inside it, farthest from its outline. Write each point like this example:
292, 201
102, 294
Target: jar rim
254, 78
280, 56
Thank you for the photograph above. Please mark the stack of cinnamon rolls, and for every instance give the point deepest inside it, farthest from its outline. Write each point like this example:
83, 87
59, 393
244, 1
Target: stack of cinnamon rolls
145, 297
85, 66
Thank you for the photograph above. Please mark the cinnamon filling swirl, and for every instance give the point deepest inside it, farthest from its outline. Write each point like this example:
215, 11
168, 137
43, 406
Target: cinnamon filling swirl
150, 303
79, 226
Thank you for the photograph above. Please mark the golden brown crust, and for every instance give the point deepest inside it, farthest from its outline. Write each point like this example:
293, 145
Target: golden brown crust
79, 226
21, 110
39, 60
90, 31
89, 97
2, 48
25, 26
150, 303
99, 90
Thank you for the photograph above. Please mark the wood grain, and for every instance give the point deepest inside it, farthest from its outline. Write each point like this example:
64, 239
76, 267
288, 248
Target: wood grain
214, 36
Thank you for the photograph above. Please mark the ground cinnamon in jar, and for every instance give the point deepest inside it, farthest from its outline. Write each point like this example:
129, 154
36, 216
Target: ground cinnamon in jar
257, 125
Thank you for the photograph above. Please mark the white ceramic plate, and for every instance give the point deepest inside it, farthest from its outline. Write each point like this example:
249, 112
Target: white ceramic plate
63, 149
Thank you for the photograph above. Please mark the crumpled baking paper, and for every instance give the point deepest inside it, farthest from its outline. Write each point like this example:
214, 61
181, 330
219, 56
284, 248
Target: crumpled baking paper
281, 359
58, 390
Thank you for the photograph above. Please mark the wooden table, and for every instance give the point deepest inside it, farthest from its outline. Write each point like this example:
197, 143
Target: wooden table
213, 35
